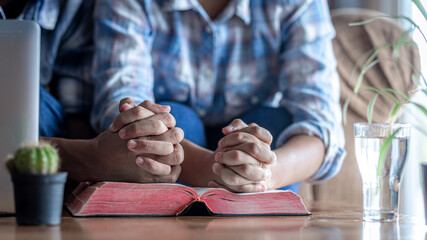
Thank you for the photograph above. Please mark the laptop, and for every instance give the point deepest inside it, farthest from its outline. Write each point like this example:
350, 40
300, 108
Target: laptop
19, 95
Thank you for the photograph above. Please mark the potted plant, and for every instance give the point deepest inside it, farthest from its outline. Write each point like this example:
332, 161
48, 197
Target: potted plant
400, 99
38, 187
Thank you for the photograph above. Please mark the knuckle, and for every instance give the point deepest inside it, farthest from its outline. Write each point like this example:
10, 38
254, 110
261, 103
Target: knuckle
236, 155
257, 130
158, 126
145, 104
234, 180
177, 134
253, 147
146, 146
246, 169
240, 137
149, 166
161, 170
131, 129
168, 119
139, 111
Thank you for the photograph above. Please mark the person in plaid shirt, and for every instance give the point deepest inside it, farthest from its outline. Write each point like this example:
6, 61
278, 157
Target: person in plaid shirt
251, 83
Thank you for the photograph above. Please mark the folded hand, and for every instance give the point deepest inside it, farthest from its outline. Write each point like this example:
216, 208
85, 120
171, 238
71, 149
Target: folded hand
244, 157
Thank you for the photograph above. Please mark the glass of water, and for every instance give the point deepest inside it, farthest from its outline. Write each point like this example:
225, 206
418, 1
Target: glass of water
381, 179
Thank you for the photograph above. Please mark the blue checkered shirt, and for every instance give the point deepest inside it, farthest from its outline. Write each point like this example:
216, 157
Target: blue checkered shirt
274, 53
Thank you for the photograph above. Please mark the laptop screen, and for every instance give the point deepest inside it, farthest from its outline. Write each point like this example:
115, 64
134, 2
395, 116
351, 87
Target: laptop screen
19, 95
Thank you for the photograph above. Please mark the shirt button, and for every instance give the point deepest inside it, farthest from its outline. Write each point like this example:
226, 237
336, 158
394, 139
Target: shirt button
254, 100
160, 90
201, 112
208, 29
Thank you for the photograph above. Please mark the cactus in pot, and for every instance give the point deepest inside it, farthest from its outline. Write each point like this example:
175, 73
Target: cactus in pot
38, 187
34, 159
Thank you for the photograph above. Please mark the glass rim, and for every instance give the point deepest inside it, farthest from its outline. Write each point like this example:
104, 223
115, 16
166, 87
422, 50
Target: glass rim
365, 124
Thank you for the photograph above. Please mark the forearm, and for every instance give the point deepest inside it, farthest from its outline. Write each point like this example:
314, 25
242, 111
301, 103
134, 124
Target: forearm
75, 156
297, 160
197, 165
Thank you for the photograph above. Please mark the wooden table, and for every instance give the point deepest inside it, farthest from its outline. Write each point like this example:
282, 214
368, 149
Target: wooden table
328, 221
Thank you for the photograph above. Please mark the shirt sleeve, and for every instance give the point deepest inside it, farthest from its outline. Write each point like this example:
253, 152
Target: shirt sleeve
309, 83
122, 62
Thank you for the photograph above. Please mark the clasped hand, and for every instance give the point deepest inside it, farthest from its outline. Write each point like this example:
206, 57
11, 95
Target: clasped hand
243, 158
144, 136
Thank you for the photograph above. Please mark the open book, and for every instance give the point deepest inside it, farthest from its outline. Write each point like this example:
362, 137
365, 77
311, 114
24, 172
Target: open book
134, 199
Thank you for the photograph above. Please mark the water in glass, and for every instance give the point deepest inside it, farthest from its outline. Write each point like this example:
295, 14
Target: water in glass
380, 187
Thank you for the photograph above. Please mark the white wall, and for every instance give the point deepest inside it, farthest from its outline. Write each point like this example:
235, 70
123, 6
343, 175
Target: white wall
412, 198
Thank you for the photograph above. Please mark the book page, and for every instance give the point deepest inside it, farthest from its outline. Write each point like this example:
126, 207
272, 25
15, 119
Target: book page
201, 190
269, 191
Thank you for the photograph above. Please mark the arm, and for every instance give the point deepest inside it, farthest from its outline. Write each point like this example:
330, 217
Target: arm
312, 147
122, 63
310, 87
153, 157
107, 158
197, 166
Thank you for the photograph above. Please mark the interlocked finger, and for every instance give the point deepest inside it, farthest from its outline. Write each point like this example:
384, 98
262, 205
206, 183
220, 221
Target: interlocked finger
152, 166
252, 172
141, 146
143, 128
229, 177
129, 116
175, 158
174, 136
154, 107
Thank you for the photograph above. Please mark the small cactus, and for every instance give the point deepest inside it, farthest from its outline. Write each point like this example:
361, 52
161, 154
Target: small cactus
35, 159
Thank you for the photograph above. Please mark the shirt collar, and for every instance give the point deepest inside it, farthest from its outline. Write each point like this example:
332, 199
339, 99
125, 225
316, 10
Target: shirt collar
243, 10
45, 13
176, 5
241, 7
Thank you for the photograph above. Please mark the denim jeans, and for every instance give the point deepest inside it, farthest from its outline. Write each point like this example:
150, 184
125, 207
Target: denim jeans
273, 119
51, 116
52, 123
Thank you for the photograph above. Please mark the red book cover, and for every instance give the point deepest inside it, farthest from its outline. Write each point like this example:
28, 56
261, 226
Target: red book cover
134, 199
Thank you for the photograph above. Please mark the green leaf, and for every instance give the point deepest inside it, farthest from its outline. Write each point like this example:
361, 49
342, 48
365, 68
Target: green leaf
420, 107
420, 7
394, 111
417, 3
402, 41
398, 93
345, 109
382, 92
371, 108
362, 74
384, 148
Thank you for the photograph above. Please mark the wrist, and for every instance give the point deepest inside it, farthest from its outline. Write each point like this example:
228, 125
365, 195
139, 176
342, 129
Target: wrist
197, 165
74, 155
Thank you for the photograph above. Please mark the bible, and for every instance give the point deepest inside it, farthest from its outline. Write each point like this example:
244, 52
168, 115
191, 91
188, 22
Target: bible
134, 199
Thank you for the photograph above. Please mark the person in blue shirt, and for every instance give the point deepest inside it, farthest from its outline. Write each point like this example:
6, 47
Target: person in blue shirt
251, 83
67, 90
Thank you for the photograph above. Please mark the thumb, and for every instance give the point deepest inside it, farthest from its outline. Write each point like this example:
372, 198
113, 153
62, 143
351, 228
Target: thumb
235, 125
126, 103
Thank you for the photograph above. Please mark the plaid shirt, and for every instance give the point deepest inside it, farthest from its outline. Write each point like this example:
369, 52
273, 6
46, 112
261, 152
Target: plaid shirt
66, 49
275, 53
